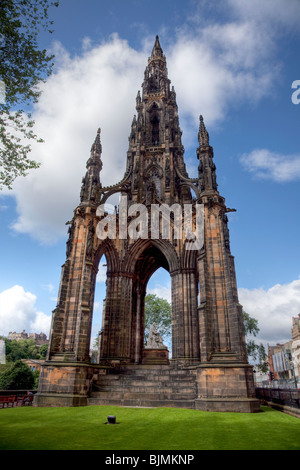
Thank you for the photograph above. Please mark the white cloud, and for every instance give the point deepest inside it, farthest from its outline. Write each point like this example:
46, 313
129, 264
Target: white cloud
218, 64
18, 312
274, 309
275, 13
161, 291
97, 89
265, 164
101, 276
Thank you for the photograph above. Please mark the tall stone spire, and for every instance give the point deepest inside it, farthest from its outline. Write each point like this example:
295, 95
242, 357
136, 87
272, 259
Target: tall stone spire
155, 147
90, 189
206, 168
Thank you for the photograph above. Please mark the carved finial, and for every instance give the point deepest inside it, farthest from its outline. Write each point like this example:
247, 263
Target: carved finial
138, 99
203, 135
96, 147
157, 50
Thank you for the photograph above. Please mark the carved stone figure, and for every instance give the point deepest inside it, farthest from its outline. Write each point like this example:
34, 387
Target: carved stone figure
155, 340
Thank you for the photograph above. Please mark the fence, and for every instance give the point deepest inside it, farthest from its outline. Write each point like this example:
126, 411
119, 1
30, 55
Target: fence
17, 393
280, 396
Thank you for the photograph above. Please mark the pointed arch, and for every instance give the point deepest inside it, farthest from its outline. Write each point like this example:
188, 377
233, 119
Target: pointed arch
141, 245
153, 169
107, 248
189, 257
154, 118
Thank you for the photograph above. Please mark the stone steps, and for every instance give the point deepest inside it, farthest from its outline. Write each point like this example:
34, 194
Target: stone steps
142, 402
149, 394
155, 385
136, 381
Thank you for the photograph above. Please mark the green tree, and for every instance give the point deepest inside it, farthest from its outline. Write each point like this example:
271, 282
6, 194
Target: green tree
23, 66
254, 351
158, 310
36, 377
24, 349
17, 377
42, 352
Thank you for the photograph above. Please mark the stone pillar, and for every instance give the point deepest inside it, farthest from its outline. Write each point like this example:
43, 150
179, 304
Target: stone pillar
185, 329
116, 336
220, 318
137, 336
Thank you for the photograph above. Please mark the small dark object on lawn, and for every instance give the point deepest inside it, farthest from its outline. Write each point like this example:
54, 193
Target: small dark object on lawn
111, 419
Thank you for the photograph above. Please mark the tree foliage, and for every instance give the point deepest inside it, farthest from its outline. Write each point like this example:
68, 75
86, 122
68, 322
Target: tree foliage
23, 66
254, 351
17, 377
24, 349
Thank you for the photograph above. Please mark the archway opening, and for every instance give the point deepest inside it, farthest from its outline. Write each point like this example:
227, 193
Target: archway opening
98, 309
158, 306
150, 263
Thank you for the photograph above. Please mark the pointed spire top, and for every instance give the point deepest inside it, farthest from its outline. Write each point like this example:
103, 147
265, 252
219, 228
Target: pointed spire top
96, 147
157, 50
203, 135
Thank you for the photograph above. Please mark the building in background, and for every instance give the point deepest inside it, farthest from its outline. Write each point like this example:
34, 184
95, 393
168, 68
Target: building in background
284, 359
39, 338
296, 345
33, 364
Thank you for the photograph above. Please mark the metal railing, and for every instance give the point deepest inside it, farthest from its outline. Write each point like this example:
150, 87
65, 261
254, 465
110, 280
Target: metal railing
281, 396
17, 393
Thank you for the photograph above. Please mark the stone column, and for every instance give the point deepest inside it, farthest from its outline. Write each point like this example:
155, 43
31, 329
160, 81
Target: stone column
185, 329
137, 355
116, 336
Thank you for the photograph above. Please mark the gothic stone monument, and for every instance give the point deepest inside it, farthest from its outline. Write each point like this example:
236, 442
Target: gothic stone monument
208, 369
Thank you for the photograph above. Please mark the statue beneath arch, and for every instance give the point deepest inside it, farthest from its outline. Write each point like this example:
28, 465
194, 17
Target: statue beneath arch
208, 368
155, 340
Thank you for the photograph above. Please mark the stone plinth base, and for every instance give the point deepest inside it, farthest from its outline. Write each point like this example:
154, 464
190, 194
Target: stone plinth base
231, 405
226, 387
155, 356
59, 399
64, 384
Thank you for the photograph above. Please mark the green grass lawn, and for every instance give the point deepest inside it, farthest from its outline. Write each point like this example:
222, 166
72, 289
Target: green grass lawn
84, 428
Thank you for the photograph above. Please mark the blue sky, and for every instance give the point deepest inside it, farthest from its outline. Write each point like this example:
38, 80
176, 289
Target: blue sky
232, 61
